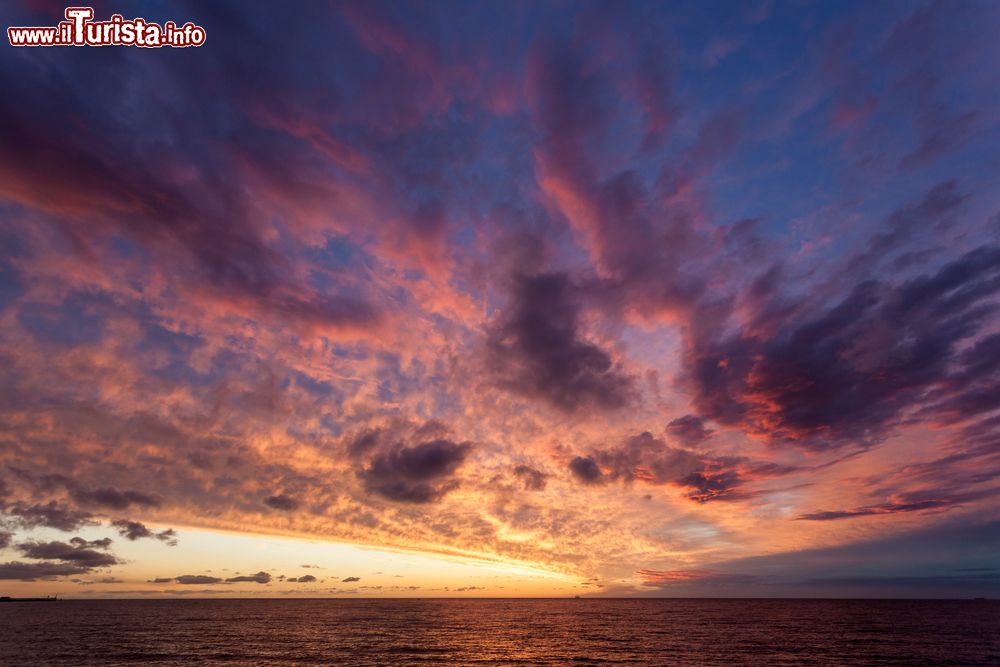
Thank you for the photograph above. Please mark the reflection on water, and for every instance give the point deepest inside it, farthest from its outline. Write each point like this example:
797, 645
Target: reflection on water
500, 632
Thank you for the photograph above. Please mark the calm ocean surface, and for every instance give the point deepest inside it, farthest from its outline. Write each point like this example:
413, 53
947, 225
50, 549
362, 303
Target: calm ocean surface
500, 632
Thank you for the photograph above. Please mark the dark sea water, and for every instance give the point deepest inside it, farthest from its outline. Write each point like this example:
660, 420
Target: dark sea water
500, 632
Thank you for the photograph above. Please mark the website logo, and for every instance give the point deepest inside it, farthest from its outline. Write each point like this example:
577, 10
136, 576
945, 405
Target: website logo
80, 29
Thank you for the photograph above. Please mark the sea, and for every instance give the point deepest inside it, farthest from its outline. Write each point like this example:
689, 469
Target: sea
500, 632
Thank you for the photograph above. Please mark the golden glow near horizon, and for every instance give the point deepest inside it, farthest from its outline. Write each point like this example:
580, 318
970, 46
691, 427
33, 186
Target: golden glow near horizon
340, 570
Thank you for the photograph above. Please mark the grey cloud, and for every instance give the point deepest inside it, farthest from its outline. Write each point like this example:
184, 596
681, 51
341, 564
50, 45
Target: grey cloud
422, 473
79, 551
50, 515
134, 530
538, 350
193, 579
282, 502
33, 571
259, 578
586, 470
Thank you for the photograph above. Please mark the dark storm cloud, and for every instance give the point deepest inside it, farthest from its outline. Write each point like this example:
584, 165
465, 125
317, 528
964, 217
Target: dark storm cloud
364, 442
34, 571
834, 377
645, 458
49, 515
534, 480
5, 538
419, 474
689, 430
113, 498
586, 470
80, 552
258, 578
133, 530
282, 502
537, 350
714, 485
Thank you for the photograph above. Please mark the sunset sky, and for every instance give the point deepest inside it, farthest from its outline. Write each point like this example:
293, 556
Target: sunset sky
504, 299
